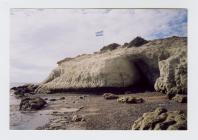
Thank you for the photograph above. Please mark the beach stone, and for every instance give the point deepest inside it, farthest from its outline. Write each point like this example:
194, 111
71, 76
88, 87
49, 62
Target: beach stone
180, 98
62, 98
161, 119
52, 99
34, 103
77, 118
110, 96
130, 100
81, 97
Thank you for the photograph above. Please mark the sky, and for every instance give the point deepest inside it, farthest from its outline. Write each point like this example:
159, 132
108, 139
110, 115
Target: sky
41, 37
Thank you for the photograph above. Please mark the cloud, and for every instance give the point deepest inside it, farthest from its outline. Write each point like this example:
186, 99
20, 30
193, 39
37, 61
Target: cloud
41, 37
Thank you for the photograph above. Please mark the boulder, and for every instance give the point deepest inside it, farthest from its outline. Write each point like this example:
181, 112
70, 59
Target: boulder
130, 100
110, 96
34, 103
138, 41
161, 119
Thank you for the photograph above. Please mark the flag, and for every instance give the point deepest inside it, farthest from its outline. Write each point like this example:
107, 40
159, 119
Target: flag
100, 33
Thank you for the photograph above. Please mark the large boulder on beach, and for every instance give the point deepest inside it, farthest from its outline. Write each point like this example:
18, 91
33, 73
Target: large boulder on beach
33, 103
161, 119
123, 67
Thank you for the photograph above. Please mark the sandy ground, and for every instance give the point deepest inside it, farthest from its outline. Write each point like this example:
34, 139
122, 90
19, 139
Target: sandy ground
87, 112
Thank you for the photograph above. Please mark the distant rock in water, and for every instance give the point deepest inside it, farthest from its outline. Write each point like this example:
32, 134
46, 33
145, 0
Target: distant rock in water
138, 41
158, 64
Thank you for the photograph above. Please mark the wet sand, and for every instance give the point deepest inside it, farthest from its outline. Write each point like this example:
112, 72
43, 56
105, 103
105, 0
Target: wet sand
94, 112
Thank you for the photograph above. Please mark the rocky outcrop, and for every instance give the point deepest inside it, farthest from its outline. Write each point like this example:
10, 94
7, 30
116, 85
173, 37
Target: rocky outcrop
173, 75
34, 103
124, 67
110, 47
21, 91
138, 41
161, 119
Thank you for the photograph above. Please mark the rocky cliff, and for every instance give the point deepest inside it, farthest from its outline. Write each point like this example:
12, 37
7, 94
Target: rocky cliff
159, 64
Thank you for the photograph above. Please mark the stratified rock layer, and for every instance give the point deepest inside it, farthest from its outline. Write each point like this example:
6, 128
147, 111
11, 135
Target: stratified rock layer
124, 67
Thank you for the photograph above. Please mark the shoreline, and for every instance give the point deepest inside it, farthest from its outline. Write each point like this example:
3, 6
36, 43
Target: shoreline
96, 112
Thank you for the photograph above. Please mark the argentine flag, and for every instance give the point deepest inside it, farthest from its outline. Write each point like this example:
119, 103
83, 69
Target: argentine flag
100, 33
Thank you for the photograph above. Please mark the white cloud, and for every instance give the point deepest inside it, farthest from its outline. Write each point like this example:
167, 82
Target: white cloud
41, 37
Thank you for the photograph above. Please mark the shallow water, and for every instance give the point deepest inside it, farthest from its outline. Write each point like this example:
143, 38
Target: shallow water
33, 119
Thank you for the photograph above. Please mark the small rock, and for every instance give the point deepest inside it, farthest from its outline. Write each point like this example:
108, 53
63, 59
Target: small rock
130, 100
180, 98
46, 98
62, 98
52, 99
110, 96
34, 103
160, 110
81, 97
77, 118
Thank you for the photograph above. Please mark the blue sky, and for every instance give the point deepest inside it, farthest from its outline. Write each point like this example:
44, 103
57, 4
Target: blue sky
41, 37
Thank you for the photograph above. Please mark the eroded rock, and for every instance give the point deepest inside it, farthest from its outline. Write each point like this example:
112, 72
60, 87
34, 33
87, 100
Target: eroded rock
77, 118
161, 119
110, 96
20, 91
180, 98
123, 68
138, 41
130, 100
173, 75
34, 103
110, 47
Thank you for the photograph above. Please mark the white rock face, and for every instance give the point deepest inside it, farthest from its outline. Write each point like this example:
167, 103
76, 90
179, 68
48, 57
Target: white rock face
121, 67
173, 75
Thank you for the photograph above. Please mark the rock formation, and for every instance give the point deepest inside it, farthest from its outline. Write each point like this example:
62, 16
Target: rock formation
159, 64
130, 100
34, 103
138, 41
110, 96
161, 119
